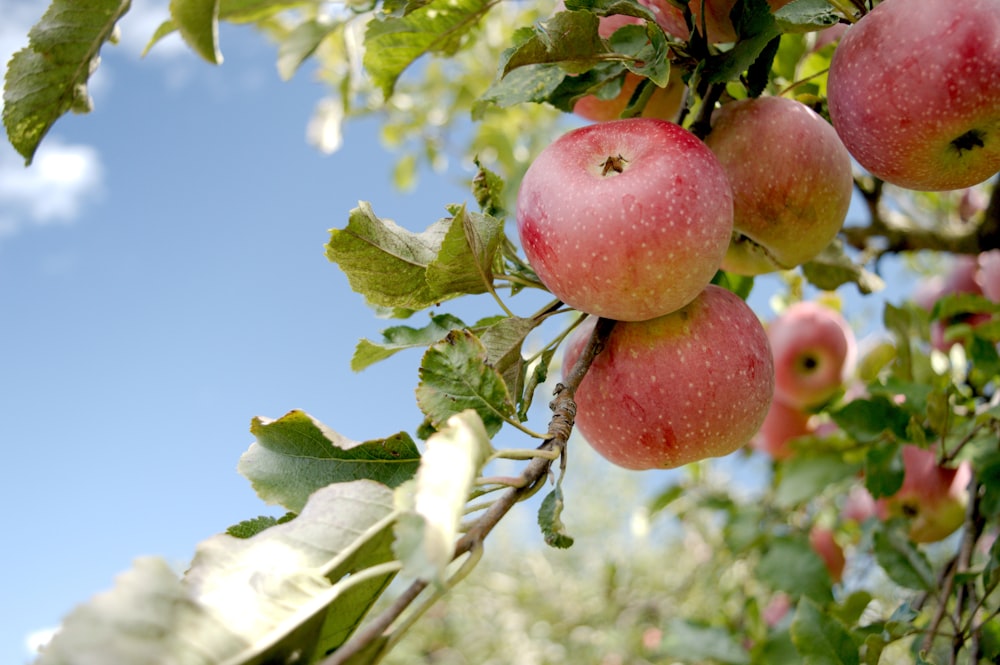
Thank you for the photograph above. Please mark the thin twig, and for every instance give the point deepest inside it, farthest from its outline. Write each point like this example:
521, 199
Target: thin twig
534, 475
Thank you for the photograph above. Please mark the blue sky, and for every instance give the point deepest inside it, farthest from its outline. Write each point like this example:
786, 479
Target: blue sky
162, 281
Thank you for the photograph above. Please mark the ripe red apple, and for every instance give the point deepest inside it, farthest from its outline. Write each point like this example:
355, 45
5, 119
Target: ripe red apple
676, 389
932, 497
823, 543
814, 351
791, 179
860, 506
915, 94
626, 219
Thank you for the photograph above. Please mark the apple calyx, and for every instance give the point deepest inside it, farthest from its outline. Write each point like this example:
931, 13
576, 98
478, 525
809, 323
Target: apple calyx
614, 164
972, 139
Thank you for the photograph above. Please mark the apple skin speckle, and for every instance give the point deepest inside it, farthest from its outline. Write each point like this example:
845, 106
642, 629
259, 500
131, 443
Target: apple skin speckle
710, 393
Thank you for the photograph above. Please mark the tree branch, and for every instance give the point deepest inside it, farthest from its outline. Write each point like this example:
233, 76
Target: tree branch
560, 427
890, 231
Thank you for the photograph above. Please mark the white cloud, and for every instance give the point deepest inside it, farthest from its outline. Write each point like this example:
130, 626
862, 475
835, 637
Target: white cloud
61, 180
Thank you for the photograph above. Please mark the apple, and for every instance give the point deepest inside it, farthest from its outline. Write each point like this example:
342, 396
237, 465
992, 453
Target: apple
626, 219
664, 103
791, 179
675, 389
823, 543
932, 497
814, 352
915, 95
963, 276
782, 424
717, 22
988, 276
860, 506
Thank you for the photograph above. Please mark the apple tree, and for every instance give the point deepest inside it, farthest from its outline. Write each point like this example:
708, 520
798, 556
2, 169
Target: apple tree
656, 223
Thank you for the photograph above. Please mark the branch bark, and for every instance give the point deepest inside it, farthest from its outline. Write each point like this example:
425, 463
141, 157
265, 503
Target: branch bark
560, 427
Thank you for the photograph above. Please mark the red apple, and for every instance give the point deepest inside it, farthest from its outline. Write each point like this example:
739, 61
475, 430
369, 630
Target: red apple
782, 424
626, 219
860, 506
823, 543
963, 276
933, 497
719, 27
791, 179
915, 94
676, 389
664, 103
814, 351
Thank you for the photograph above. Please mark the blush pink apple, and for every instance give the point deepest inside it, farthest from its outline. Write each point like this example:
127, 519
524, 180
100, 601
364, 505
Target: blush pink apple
814, 352
915, 93
791, 179
676, 389
933, 497
717, 22
988, 276
626, 219
829, 550
783, 424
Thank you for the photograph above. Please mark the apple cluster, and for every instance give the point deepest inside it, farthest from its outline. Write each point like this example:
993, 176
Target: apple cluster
630, 219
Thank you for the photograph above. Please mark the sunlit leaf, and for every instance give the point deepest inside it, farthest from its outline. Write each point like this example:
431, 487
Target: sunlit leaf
464, 263
804, 476
832, 268
198, 23
393, 43
806, 16
296, 455
245, 601
49, 77
791, 565
435, 501
902, 560
569, 39
384, 262
550, 520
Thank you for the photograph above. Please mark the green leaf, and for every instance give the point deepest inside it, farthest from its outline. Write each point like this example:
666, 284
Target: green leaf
198, 23
902, 561
48, 78
488, 188
695, 643
820, 639
252, 527
741, 285
301, 43
435, 501
550, 520
393, 43
503, 341
296, 455
832, 268
804, 476
539, 372
883, 470
959, 304
384, 262
530, 83
867, 420
400, 338
464, 263
806, 16
791, 565
455, 376
294, 588
568, 39
646, 49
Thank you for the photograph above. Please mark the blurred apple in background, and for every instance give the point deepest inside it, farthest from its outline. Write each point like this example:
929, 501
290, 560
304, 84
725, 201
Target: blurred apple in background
814, 352
825, 545
933, 497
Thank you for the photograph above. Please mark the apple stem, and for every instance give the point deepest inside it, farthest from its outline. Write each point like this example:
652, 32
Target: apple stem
702, 125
